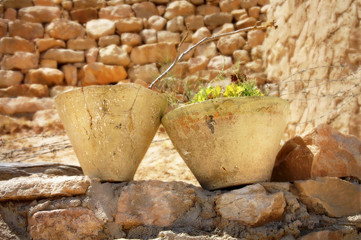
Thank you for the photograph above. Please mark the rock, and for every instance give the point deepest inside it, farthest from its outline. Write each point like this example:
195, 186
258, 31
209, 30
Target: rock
255, 66
70, 74
146, 73
185, 46
26, 30
254, 12
335, 154
92, 55
326, 235
200, 34
77, 4
100, 27
208, 50
45, 76
10, 78
263, 2
150, 53
64, 55
113, 55
48, 63
207, 9
149, 36
194, 22
35, 187
132, 24
293, 162
46, 43
179, 8
217, 19
229, 5
70, 223
100, 74
168, 37
257, 53
26, 90
20, 60
145, 9
225, 28
251, 205
247, 22
39, 14
20, 105
10, 45
17, 3
248, 3
331, 196
116, 12
81, 44
56, 90
64, 29
241, 56
239, 14
228, 44
220, 63
197, 63
157, 22
176, 24
255, 37
109, 40
84, 15
153, 203
3, 28
131, 39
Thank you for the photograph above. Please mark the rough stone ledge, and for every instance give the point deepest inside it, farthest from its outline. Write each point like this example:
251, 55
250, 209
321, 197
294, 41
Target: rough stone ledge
41, 206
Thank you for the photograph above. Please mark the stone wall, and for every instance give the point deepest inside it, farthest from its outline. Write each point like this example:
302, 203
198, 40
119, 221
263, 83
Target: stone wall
315, 56
80, 43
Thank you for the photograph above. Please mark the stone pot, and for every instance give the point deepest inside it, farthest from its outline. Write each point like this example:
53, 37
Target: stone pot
111, 127
229, 141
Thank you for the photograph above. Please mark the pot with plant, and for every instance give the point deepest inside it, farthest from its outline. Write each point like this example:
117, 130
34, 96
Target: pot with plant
228, 136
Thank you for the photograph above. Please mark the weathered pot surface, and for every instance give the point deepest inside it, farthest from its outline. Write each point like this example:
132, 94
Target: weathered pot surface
229, 141
111, 127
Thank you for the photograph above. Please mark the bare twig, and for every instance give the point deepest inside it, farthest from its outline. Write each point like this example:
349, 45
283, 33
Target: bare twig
205, 40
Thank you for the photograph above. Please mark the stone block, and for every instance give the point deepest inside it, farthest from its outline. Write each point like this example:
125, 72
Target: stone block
116, 12
70, 74
17, 3
84, 15
99, 28
168, 37
176, 24
64, 29
146, 73
81, 44
157, 22
20, 60
179, 8
25, 90
48, 63
151, 53
46, 43
10, 14
45, 76
145, 9
255, 38
229, 5
228, 44
100, 74
64, 55
10, 78
39, 14
207, 9
131, 24
248, 3
108, 40
217, 19
194, 22
26, 30
220, 63
113, 55
149, 36
241, 56
208, 50
131, 39
247, 22
3, 27
10, 45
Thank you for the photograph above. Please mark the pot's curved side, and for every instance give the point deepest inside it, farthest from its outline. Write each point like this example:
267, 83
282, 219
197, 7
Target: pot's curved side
111, 127
230, 141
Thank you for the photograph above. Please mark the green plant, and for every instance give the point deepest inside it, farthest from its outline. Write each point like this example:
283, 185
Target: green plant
239, 87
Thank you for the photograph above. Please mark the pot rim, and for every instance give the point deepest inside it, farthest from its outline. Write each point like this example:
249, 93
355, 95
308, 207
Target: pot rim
224, 99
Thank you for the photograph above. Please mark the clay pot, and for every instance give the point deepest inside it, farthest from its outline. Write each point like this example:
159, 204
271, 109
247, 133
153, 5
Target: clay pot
111, 127
229, 141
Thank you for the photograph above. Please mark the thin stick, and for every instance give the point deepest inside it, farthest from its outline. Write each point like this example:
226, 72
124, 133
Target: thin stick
204, 40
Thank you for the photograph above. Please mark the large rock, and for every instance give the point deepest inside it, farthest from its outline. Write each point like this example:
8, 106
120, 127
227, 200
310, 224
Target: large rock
179, 8
3, 27
64, 55
84, 15
220, 63
255, 37
217, 19
168, 37
149, 36
331, 196
208, 50
25, 90
228, 44
100, 74
176, 24
197, 63
293, 161
150, 53
131, 24
78, 4
247, 22
153, 203
35, 187
248, 3
116, 12
241, 56
46, 43
59, 224
10, 45
207, 9
201, 33
131, 39
20, 60
229, 5
21, 105
39, 14
17, 3
26, 30
65, 29
10, 78
70, 74
251, 205
194, 22
81, 44
335, 154
146, 73
100, 27
157, 22
113, 55
45, 76
109, 40
145, 9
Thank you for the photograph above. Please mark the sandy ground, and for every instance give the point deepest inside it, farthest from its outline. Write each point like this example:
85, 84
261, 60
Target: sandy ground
161, 162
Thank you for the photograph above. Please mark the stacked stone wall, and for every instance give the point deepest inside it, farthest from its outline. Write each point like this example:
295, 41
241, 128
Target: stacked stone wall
96, 42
